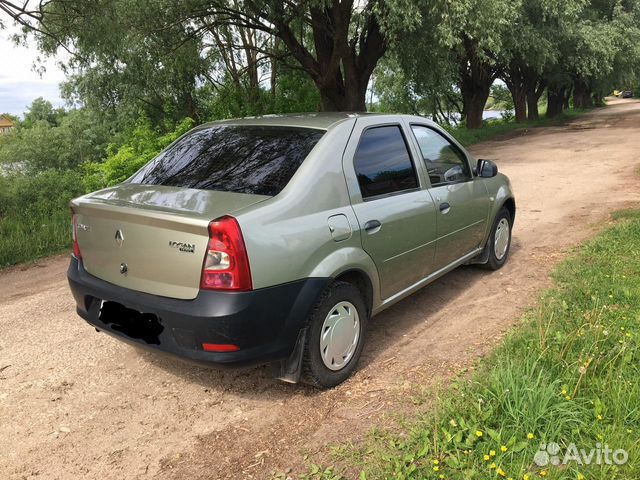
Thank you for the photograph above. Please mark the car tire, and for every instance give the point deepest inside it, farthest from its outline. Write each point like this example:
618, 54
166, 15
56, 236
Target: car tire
499, 250
335, 336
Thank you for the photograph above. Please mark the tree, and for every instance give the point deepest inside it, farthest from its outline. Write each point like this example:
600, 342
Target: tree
408, 81
42, 110
480, 29
598, 47
452, 55
337, 43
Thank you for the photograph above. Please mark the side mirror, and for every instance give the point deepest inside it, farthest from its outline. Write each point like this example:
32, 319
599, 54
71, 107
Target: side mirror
487, 169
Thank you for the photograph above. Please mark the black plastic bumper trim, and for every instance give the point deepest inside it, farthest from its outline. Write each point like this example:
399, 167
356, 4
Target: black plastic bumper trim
264, 323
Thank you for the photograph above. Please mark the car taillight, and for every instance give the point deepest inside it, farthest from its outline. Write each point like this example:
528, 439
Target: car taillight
226, 264
76, 247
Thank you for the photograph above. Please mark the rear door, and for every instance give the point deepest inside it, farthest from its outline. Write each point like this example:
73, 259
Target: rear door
461, 198
396, 216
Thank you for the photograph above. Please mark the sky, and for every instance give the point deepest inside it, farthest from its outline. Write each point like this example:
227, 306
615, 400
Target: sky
19, 82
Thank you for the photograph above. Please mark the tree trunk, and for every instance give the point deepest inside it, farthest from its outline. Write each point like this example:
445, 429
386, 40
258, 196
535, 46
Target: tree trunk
598, 99
334, 98
520, 105
555, 101
566, 103
474, 103
532, 107
476, 77
514, 79
582, 94
339, 66
534, 86
519, 97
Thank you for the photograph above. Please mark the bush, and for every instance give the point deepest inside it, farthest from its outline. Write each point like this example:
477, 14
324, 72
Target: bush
34, 214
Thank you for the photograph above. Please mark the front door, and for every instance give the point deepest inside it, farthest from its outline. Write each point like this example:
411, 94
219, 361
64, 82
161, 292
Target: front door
397, 218
462, 200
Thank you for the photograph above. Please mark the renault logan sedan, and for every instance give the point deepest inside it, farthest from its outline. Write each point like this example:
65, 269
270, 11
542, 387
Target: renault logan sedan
275, 239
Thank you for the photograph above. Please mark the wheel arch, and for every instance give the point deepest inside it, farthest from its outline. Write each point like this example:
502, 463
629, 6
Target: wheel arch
359, 279
510, 204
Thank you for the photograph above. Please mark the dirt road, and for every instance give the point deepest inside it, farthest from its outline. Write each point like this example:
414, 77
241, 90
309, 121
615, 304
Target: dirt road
77, 403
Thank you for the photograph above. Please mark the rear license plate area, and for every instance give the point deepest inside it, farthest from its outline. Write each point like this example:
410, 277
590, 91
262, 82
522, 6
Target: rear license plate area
132, 323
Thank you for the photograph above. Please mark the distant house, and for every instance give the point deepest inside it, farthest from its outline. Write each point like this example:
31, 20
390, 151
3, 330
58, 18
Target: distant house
6, 125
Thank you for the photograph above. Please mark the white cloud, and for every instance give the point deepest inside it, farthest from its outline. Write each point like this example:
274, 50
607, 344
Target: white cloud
20, 84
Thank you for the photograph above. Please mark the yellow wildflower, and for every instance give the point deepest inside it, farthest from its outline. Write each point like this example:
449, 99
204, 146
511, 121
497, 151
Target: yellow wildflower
478, 433
530, 436
503, 448
487, 458
436, 462
543, 473
492, 453
501, 472
599, 417
493, 466
436, 468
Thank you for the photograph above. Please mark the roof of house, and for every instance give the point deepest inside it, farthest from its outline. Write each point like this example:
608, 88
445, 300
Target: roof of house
5, 122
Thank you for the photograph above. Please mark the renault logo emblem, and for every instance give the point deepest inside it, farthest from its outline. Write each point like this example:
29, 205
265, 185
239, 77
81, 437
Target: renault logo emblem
119, 238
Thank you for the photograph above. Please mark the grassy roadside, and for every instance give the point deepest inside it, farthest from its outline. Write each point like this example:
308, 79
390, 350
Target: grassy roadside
35, 220
568, 375
498, 127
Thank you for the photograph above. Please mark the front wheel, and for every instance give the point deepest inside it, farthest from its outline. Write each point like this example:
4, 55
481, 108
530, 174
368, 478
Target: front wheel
499, 240
335, 336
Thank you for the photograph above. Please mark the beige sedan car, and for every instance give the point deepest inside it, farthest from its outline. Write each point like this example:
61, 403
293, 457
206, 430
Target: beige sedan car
275, 239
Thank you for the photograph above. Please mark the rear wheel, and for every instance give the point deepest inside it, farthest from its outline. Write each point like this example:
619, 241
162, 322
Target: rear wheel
335, 336
499, 240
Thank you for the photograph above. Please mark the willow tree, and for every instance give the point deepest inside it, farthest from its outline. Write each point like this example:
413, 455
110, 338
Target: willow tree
337, 43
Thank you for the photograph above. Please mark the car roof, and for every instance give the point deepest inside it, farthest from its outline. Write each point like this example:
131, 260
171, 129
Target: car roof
322, 120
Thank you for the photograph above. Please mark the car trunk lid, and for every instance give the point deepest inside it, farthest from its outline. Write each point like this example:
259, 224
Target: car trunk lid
151, 238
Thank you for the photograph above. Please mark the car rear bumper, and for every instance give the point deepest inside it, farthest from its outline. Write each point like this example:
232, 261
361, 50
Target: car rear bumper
263, 323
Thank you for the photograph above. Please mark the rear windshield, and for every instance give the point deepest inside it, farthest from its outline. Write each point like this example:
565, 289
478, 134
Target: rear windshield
246, 159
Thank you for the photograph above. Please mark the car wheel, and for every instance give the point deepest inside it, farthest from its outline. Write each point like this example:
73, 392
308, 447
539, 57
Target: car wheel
499, 240
335, 336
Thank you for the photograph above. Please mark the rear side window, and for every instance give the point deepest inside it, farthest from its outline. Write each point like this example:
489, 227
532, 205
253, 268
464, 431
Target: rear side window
382, 162
245, 159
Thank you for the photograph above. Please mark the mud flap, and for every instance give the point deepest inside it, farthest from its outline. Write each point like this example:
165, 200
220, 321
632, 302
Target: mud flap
289, 370
482, 258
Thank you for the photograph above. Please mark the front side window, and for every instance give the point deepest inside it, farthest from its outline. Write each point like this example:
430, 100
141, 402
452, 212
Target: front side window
382, 162
245, 159
444, 161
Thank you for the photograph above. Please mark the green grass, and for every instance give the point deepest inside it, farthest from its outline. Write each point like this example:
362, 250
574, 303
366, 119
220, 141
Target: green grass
569, 374
496, 128
35, 219
27, 237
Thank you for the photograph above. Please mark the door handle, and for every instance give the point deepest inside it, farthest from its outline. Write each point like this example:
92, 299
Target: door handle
444, 207
372, 226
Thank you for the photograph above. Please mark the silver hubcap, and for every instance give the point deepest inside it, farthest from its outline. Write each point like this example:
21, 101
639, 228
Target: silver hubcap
501, 239
339, 335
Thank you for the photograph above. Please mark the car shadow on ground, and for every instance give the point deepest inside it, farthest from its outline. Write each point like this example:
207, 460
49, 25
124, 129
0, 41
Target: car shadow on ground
385, 334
